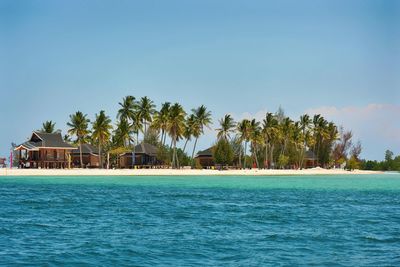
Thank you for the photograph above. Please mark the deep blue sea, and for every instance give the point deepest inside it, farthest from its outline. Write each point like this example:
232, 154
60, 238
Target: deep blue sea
200, 221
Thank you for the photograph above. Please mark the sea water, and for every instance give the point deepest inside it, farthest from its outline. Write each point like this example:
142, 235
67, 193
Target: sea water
200, 221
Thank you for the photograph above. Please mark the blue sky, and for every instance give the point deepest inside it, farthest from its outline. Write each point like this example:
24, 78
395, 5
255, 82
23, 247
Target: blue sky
339, 58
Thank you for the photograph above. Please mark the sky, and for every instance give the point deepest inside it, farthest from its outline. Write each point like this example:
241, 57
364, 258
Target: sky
338, 58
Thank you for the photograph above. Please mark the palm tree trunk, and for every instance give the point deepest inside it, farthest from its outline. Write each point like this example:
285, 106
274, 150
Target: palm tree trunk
266, 156
184, 147
194, 148
162, 136
255, 153
80, 153
303, 151
100, 159
174, 153
108, 160
240, 156
271, 152
244, 156
177, 158
302, 154
284, 147
134, 154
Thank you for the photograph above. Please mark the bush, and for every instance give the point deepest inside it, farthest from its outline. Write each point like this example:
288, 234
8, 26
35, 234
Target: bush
353, 164
283, 161
223, 152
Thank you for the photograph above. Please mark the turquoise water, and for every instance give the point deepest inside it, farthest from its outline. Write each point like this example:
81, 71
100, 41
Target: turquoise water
207, 221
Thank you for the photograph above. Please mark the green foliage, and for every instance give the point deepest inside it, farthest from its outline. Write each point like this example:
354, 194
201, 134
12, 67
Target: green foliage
227, 125
165, 155
78, 126
151, 137
353, 164
389, 164
283, 161
223, 152
249, 161
48, 127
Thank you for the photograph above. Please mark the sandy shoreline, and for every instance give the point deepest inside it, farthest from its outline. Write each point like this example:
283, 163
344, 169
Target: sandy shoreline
171, 172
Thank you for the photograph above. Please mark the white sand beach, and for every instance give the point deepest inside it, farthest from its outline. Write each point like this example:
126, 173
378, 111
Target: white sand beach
174, 172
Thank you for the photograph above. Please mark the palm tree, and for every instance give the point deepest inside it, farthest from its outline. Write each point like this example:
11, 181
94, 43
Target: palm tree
285, 131
137, 125
297, 139
122, 133
48, 127
176, 126
270, 124
67, 138
315, 121
101, 132
189, 129
160, 120
255, 138
127, 108
243, 129
79, 127
146, 111
203, 119
305, 122
320, 125
227, 125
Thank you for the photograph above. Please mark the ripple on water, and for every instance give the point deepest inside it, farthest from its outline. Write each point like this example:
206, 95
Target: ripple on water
210, 221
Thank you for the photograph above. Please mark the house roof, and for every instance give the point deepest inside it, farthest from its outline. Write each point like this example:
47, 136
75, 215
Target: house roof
144, 148
205, 153
44, 140
310, 155
86, 149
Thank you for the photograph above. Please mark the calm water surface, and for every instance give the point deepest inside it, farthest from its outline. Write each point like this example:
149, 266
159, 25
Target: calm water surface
206, 221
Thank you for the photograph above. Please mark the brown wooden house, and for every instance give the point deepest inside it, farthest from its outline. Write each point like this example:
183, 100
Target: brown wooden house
310, 160
90, 157
44, 150
143, 156
205, 158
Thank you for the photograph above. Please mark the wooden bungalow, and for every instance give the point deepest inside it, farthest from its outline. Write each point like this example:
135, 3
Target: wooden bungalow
310, 160
205, 158
44, 150
144, 155
90, 157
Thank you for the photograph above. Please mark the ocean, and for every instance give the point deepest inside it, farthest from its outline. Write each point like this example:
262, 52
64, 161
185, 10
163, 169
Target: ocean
344, 220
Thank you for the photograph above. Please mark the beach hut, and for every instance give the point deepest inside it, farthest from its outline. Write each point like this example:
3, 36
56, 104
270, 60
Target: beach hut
144, 155
44, 150
310, 160
205, 158
90, 156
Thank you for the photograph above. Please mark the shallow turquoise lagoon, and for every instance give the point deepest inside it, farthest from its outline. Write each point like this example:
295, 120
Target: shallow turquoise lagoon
206, 221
